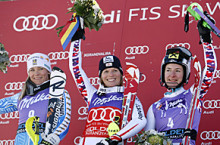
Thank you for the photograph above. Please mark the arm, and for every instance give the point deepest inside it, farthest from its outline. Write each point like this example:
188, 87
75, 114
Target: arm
9, 104
209, 69
209, 56
136, 124
63, 123
150, 119
79, 76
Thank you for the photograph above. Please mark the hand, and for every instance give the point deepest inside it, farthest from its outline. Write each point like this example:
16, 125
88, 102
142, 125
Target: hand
80, 33
113, 140
51, 139
204, 32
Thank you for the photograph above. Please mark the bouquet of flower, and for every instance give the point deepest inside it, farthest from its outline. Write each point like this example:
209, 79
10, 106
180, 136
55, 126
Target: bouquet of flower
91, 13
4, 59
151, 137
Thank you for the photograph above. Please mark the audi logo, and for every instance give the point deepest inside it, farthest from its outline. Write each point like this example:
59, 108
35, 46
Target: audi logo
105, 114
94, 81
83, 110
186, 45
11, 86
77, 140
210, 135
52, 55
19, 58
211, 104
217, 74
38, 22
58, 55
132, 50
216, 47
143, 78
11, 115
7, 142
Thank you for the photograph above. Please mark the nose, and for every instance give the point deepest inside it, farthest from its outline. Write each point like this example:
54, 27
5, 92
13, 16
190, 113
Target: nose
36, 72
173, 74
111, 73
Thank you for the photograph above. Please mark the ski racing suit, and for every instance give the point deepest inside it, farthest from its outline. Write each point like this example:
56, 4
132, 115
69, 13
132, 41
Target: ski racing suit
102, 108
36, 105
170, 113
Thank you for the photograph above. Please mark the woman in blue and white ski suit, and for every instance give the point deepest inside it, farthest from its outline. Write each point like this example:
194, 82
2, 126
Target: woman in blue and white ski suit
170, 114
33, 101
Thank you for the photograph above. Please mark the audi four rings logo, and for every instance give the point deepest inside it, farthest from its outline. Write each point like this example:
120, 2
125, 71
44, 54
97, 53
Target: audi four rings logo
83, 110
11, 86
59, 55
19, 58
105, 114
77, 140
143, 78
186, 45
216, 47
7, 142
217, 74
94, 81
31, 23
53, 56
210, 135
12, 115
131, 50
211, 104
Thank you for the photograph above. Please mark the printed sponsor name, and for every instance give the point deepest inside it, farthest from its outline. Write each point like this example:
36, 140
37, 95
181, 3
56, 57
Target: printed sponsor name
209, 112
9, 94
97, 54
154, 13
4, 122
25, 103
99, 101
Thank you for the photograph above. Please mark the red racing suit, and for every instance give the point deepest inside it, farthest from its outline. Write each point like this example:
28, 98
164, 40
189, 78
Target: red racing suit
102, 108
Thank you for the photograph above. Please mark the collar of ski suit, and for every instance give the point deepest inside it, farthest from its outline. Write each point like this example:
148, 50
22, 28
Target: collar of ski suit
32, 88
103, 90
174, 92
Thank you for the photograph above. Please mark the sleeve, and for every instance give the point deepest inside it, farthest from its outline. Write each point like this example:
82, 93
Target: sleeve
151, 121
65, 115
75, 65
137, 122
9, 104
209, 69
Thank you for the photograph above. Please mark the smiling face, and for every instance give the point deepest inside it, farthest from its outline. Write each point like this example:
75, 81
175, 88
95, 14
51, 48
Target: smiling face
111, 77
173, 75
38, 75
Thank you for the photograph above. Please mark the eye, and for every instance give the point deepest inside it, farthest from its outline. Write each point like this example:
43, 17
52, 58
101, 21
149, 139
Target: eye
167, 70
177, 71
31, 69
105, 71
115, 70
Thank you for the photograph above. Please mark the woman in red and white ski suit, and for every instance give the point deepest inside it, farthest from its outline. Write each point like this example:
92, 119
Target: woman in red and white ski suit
105, 103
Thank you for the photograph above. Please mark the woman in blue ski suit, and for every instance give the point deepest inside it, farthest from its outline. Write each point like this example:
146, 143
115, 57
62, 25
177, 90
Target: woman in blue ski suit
33, 101
170, 114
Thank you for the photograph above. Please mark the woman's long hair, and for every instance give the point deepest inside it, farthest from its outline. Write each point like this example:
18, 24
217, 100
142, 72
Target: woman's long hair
23, 91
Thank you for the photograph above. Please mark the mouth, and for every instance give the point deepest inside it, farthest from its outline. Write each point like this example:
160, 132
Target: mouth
37, 78
111, 80
173, 82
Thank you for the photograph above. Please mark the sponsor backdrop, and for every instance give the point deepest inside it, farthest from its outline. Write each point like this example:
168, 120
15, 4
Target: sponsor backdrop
135, 31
